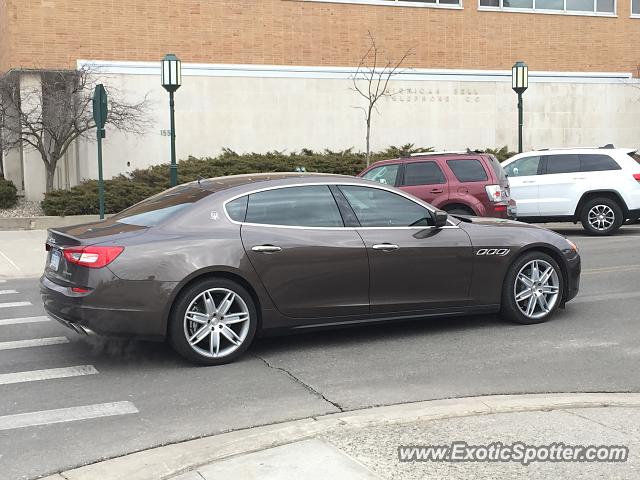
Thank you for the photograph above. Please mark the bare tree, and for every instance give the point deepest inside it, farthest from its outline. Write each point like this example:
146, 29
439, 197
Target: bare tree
371, 82
50, 114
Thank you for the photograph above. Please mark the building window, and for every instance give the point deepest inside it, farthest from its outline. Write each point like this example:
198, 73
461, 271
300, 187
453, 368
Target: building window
400, 3
580, 7
635, 8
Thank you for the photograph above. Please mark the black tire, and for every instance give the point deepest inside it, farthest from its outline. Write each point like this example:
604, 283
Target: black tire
455, 210
606, 205
510, 309
178, 326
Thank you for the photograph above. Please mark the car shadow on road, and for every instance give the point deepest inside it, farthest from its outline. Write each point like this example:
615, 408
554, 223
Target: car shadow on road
362, 334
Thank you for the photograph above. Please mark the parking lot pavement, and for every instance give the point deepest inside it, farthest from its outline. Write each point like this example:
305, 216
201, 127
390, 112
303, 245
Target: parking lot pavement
66, 401
22, 253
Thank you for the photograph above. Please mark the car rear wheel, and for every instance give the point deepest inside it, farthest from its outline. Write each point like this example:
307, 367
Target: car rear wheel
213, 322
601, 216
533, 289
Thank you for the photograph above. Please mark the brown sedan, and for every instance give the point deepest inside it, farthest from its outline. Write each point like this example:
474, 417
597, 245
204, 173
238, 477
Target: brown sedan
211, 263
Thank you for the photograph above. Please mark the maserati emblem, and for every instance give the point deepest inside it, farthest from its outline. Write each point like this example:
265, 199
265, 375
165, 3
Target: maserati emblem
214, 215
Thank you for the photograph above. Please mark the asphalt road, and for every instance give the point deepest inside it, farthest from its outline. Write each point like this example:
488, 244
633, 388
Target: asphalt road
120, 397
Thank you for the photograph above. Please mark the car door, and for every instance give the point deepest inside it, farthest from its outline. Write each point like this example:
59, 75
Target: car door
560, 185
426, 181
310, 265
599, 172
414, 267
523, 175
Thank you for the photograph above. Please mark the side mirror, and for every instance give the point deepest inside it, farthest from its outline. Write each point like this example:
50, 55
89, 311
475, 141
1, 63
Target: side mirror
440, 218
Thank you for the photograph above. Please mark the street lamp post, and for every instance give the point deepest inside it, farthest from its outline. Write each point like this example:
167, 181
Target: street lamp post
519, 83
171, 81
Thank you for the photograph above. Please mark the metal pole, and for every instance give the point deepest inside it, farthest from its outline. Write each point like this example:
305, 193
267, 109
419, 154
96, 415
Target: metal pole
100, 134
520, 122
174, 165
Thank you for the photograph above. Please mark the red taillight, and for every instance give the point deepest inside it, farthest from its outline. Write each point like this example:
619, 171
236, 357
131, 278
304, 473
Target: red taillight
500, 208
636, 176
92, 256
80, 290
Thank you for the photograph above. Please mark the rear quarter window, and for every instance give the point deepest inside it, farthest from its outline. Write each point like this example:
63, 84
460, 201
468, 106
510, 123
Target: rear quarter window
597, 163
160, 207
468, 170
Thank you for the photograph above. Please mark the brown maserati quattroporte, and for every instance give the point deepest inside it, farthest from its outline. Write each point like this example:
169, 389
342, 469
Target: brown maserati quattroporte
210, 264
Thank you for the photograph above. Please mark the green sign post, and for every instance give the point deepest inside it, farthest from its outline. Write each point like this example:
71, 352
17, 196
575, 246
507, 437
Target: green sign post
100, 117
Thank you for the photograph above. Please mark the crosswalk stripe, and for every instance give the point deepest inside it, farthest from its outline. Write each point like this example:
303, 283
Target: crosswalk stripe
47, 374
15, 321
62, 415
7, 292
3, 281
14, 304
36, 342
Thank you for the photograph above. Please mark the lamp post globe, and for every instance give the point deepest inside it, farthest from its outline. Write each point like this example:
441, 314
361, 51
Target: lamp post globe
519, 83
171, 81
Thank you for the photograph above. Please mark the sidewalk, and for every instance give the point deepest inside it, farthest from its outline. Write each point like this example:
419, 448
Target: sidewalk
363, 445
22, 253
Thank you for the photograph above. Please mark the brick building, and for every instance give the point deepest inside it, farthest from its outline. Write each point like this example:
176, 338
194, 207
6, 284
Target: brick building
260, 75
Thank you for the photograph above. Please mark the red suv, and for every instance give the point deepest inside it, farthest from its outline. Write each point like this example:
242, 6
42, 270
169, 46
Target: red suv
459, 183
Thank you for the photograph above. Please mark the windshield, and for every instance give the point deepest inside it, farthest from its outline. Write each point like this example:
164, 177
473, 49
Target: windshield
160, 207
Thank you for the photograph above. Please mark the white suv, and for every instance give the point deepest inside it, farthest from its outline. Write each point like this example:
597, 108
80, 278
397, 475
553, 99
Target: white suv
598, 186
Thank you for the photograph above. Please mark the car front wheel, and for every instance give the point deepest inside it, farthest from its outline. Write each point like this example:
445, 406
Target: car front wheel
213, 322
533, 289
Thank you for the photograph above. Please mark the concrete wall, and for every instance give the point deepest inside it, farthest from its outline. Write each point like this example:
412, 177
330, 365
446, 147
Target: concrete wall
257, 109
257, 113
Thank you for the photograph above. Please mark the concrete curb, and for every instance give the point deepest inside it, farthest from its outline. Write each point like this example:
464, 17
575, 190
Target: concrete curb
44, 222
164, 462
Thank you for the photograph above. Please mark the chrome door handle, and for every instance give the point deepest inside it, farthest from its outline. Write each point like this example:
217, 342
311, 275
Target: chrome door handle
385, 246
266, 249
578, 178
528, 181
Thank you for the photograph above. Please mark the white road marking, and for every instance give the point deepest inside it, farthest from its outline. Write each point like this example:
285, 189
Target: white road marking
606, 296
3, 281
11, 262
48, 374
62, 415
36, 342
7, 292
14, 304
16, 321
621, 268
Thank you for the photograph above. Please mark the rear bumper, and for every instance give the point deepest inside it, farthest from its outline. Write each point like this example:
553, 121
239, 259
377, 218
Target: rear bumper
118, 308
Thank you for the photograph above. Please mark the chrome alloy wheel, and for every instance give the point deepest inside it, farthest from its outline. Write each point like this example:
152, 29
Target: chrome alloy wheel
601, 217
216, 322
536, 289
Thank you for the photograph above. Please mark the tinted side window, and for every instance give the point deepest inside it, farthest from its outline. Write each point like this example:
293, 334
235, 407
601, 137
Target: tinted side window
469, 170
381, 208
310, 206
386, 174
423, 173
237, 209
523, 167
566, 163
597, 163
